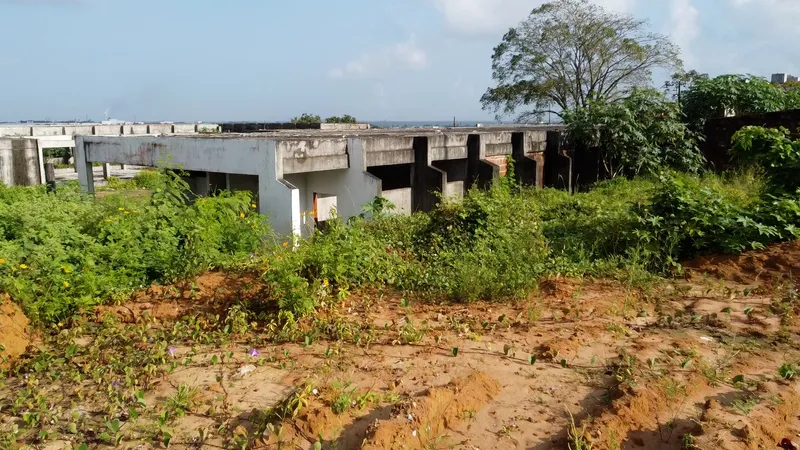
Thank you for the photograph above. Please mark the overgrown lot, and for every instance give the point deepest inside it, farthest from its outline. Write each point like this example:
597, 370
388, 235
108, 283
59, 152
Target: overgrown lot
285, 343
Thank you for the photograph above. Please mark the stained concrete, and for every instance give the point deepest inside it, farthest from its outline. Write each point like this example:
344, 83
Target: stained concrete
288, 169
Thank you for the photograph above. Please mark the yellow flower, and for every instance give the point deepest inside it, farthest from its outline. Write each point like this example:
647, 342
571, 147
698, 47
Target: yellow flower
122, 209
254, 206
23, 266
66, 284
241, 215
325, 282
2, 261
285, 244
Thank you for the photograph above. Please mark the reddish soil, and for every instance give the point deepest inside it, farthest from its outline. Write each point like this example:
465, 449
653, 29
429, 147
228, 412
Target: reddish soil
14, 333
776, 265
678, 365
213, 292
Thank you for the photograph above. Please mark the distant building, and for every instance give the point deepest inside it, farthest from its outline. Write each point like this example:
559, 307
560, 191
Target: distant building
782, 78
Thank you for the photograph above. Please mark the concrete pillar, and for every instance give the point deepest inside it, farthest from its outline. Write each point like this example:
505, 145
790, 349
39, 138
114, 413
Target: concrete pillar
6, 162
480, 172
85, 172
26, 170
40, 161
428, 182
277, 199
524, 167
557, 166
106, 171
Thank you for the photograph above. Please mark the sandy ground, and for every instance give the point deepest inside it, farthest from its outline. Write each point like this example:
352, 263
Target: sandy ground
580, 364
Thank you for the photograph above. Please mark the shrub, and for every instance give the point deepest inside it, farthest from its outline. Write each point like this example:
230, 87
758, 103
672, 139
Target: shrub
774, 151
65, 251
688, 217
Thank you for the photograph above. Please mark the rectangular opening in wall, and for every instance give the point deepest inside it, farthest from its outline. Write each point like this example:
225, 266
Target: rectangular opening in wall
325, 206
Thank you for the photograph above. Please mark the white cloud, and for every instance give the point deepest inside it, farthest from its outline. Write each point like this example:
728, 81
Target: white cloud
491, 17
401, 56
684, 26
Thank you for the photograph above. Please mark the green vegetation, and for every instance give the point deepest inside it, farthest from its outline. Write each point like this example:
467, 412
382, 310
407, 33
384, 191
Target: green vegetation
640, 134
347, 118
314, 118
568, 54
66, 251
738, 94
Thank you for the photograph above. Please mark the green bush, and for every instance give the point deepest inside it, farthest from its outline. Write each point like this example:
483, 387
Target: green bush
688, 217
65, 251
774, 151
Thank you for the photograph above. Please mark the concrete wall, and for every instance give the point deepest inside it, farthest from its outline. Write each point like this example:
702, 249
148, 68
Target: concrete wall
401, 198
288, 172
389, 150
313, 155
352, 186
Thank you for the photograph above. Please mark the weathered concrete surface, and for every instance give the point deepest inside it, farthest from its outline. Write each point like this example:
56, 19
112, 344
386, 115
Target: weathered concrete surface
293, 172
20, 162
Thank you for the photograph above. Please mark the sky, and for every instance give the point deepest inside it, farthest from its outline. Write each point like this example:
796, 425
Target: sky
270, 60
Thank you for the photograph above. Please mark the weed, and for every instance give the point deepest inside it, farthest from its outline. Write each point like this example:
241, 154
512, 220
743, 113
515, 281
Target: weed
787, 371
745, 404
577, 438
181, 402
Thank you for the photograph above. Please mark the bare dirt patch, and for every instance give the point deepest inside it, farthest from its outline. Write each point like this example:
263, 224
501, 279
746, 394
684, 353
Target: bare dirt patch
778, 264
14, 333
213, 292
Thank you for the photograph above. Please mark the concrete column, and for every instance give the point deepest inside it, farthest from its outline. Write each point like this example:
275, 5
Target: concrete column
106, 171
277, 199
40, 158
26, 162
480, 172
557, 166
84, 166
6, 162
524, 167
428, 182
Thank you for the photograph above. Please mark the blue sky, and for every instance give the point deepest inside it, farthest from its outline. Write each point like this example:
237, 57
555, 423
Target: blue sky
209, 60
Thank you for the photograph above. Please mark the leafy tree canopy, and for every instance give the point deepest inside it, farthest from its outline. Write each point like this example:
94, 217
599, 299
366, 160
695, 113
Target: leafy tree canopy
641, 134
347, 118
735, 94
307, 118
570, 53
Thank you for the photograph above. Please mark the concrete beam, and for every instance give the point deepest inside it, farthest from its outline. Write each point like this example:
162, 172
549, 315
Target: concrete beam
389, 150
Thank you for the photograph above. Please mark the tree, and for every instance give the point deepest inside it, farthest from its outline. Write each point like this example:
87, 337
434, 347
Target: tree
641, 134
570, 53
679, 82
347, 118
307, 118
733, 94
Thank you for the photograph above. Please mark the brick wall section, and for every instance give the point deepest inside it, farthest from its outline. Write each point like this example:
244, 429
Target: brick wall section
501, 161
720, 131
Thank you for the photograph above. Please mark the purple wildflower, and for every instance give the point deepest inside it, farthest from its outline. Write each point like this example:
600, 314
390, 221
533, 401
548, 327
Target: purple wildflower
253, 353
171, 351
116, 384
